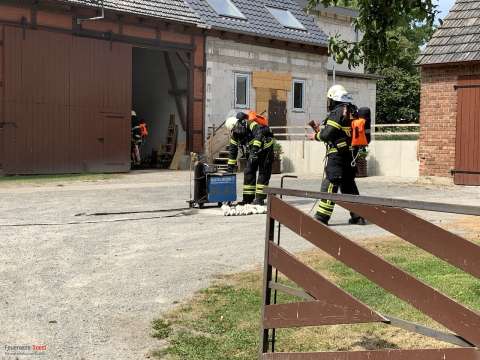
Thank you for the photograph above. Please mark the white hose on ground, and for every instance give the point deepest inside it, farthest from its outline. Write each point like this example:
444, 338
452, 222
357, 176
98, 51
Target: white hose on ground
243, 210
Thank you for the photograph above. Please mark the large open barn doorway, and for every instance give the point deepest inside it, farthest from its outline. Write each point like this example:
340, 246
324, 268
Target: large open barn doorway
160, 100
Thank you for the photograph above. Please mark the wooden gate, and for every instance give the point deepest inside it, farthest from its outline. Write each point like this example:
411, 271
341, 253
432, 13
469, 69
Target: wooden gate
323, 303
2, 100
467, 162
60, 92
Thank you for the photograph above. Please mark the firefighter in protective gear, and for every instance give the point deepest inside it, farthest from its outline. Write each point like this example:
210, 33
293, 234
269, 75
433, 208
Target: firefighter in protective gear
340, 168
256, 141
139, 132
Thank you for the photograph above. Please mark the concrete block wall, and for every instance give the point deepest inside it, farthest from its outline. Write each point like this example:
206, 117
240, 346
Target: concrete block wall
225, 57
364, 91
394, 159
386, 158
303, 157
438, 118
342, 26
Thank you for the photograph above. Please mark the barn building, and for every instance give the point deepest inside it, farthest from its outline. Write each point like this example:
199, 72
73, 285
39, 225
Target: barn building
449, 145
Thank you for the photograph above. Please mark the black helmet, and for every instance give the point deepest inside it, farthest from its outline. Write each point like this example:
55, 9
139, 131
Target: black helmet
242, 116
365, 113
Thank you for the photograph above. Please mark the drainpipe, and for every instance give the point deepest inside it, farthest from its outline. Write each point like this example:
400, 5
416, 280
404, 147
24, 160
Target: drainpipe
334, 70
101, 17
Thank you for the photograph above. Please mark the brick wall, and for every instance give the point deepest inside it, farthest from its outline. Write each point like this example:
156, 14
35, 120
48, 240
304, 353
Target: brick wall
438, 117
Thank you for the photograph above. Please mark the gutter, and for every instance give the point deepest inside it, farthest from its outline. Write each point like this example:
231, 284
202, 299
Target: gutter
101, 17
88, 5
351, 74
323, 45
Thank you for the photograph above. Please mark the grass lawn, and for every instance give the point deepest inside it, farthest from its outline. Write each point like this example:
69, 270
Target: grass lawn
222, 322
44, 179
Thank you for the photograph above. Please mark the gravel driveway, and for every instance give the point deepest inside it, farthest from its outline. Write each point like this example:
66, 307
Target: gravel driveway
88, 287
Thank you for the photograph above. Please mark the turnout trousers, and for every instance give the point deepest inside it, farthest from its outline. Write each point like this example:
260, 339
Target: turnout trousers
253, 187
339, 175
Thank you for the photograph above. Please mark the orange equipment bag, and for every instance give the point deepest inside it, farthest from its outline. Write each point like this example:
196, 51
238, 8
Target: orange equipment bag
359, 136
143, 130
253, 116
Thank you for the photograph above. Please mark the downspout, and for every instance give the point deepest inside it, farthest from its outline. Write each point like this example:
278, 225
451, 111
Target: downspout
101, 17
334, 70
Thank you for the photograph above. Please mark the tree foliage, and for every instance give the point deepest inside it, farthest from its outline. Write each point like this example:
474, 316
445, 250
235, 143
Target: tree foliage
379, 21
393, 33
398, 93
398, 96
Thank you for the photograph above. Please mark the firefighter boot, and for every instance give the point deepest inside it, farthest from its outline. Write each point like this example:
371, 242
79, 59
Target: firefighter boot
357, 220
323, 219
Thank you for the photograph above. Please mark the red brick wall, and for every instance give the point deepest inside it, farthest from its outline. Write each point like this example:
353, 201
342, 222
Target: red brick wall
438, 118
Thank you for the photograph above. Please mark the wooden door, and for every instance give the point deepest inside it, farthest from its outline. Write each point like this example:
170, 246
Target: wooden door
56, 89
2, 100
116, 130
277, 115
467, 159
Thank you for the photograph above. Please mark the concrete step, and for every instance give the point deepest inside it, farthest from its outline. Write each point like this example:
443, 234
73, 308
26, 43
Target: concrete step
224, 154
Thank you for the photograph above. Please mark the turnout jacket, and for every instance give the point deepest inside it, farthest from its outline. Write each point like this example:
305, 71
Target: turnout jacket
337, 130
254, 139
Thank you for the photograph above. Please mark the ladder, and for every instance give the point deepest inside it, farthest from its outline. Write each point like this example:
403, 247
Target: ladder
168, 151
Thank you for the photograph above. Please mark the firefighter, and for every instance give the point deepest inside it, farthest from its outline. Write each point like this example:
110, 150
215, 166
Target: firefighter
250, 132
340, 169
136, 139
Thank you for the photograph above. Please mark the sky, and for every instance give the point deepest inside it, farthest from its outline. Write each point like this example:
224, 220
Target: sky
444, 6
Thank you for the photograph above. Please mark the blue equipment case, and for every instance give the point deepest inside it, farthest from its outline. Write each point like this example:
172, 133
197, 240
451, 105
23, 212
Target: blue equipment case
221, 188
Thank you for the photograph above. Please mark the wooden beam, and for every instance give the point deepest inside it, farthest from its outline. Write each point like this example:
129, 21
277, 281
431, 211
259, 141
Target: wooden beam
179, 92
183, 60
178, 100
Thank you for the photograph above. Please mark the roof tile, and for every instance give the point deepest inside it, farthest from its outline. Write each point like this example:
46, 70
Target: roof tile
458, 39
176, 10
261, 23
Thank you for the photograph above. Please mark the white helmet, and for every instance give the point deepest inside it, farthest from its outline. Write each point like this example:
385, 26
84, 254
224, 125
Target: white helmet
134, 113
231, 122
340, 94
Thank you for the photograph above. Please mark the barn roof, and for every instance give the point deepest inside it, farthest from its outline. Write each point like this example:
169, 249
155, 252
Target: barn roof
176, 10
258, 21
458, 39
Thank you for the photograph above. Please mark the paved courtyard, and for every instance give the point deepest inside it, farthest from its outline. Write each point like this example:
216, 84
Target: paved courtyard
88, 286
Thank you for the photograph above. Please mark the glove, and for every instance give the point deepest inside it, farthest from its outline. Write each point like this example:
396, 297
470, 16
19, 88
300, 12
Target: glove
231, 169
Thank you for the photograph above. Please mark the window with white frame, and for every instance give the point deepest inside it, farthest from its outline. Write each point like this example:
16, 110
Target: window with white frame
226, 8
242, 90
286, 18
298, 94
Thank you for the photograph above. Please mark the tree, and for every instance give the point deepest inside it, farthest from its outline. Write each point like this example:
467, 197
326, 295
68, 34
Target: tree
398, 93
398, 96
379, 21
393, 32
